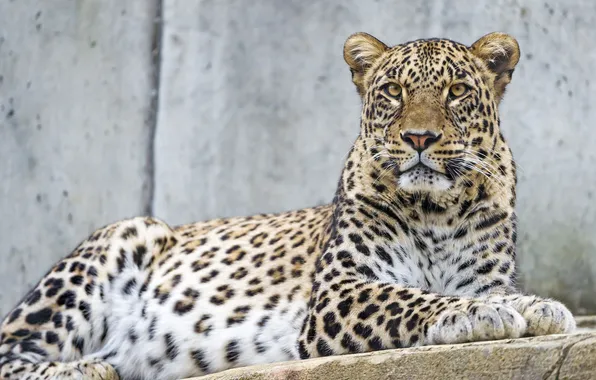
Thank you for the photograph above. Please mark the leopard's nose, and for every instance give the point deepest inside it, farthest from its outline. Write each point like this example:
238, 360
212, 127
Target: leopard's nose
420, 140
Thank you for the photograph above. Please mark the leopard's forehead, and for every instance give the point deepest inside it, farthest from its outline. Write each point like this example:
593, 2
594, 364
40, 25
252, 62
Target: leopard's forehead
426, 62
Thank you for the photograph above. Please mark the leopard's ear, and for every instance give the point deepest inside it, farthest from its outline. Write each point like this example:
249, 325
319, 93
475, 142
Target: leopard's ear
361, 50
499, 52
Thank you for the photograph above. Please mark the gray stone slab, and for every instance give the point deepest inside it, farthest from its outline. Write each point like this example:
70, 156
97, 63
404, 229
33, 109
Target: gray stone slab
257, 112
75, 91
547, 357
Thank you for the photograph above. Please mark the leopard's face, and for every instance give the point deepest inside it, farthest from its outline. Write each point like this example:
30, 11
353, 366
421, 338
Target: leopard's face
422, 112
429, 113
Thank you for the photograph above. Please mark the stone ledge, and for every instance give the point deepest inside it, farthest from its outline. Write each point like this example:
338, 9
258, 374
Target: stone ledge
547, 357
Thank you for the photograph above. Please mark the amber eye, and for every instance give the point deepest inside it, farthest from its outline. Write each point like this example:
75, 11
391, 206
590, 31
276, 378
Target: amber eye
458, 90
393, 90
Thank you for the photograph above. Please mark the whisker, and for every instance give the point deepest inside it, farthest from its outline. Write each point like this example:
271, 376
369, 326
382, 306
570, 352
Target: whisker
486, 168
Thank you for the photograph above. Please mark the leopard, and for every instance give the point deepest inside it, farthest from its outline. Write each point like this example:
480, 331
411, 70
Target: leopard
416, 248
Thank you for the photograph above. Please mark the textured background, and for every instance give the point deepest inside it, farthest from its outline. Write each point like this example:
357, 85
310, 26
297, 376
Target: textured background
189, 110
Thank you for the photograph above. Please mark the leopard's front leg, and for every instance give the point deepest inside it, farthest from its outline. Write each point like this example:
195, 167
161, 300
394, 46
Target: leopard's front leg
353, 315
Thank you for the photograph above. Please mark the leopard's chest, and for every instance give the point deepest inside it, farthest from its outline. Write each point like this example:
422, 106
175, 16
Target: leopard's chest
438, 263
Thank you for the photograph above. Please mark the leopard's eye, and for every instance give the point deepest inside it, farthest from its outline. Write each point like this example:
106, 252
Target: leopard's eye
458, 90
393, 90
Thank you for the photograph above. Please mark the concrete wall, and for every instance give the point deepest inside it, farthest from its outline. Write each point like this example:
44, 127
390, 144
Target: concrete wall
227, 109
75, 134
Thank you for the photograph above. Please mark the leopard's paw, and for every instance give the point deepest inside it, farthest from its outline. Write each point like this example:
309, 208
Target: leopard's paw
476, 322
544, 316
86, 370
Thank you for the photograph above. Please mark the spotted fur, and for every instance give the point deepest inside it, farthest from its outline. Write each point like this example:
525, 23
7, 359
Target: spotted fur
417, 247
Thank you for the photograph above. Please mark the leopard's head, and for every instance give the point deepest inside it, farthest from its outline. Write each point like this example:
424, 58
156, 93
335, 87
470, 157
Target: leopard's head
429, 108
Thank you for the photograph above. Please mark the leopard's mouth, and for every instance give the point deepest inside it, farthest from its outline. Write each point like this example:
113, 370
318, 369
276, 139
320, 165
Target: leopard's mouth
422, 169
419, 166
453, 169
421, 177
